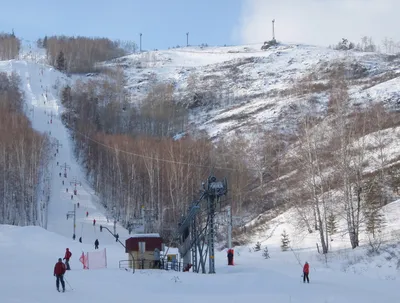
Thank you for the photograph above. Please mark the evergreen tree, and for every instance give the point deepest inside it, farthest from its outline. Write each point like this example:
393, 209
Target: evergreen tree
374, 200
266, 253
285, 241
45, 42
331, 224
257, 247
66, 96
39, 43
61, 62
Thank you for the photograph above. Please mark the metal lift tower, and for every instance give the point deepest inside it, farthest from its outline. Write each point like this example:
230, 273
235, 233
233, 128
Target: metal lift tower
196, 232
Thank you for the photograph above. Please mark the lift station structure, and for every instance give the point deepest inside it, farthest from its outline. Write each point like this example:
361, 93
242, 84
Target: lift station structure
196, 231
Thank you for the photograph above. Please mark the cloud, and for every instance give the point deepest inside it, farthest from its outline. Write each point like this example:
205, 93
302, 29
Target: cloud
318, 22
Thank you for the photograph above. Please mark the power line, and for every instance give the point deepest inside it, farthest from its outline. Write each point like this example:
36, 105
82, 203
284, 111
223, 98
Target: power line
211, 167
160, 159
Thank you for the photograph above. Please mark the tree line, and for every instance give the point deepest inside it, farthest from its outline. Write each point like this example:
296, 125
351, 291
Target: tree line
10, 46
23, 155
80, 54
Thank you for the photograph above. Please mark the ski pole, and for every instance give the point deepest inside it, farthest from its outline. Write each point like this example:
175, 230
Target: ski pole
68, 283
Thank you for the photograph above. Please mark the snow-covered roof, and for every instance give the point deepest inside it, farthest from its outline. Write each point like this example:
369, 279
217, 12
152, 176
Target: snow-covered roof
154, 235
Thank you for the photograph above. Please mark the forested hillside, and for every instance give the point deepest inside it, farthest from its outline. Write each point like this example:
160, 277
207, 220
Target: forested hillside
325, 149
24, 154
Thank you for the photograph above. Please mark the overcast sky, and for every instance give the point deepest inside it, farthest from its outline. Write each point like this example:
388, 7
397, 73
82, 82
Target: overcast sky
319, 22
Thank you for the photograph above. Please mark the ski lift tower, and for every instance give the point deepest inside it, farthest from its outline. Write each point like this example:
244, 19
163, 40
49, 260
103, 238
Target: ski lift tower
197, 230
65, 166
56, 143
72, 213
75, 182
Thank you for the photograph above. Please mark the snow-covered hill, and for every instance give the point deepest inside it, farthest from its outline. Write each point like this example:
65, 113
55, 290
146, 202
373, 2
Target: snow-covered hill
250, 87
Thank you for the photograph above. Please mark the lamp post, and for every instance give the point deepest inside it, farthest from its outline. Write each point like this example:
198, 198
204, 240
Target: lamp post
273, 29
229, 213
140, 44
187, 39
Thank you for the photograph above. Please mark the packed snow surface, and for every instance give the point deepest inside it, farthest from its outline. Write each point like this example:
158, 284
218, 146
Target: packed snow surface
28, 255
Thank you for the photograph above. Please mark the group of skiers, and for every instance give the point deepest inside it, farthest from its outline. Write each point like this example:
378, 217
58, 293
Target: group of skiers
60, 268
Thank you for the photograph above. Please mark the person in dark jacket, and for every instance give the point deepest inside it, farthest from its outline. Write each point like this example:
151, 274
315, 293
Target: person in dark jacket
230, 256
59, 271
96, 244
157, 256
67, 256
306, 271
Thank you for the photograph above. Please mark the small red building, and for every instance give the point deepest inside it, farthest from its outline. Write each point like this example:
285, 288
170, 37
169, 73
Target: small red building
142, 247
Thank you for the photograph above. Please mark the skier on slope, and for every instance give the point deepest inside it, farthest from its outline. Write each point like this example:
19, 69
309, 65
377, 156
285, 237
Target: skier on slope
306, 271
96, 244
67, 256
230, 256
59, 271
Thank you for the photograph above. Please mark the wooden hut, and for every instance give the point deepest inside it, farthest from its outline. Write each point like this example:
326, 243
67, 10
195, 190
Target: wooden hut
142, 247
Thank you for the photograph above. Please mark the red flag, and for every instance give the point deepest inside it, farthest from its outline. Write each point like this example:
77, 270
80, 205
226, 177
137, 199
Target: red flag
83, 260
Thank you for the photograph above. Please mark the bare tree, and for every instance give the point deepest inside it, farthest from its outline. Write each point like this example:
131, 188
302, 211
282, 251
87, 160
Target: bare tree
9, 46
312, 149
23, 158
350, 154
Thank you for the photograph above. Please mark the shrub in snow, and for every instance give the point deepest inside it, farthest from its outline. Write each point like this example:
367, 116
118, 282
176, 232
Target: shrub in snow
257, 247
331, 225
375, 243
266, 253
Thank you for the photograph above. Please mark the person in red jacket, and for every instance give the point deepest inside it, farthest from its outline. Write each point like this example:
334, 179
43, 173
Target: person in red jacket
67, 256
59, 271
306, 271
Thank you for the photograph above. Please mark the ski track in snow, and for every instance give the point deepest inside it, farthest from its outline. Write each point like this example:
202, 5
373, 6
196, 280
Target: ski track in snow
41, 85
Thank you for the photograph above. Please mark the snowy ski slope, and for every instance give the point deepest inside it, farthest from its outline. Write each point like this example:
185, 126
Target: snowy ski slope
28, 254
41, 85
